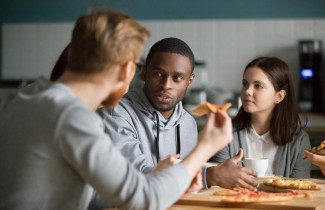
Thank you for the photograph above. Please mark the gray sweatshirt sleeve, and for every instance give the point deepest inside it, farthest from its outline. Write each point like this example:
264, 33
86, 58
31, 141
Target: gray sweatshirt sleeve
125, 137
222, 155
90, 152
301, 168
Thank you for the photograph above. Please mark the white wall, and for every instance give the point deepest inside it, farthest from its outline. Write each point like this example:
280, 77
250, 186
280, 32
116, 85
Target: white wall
30, 50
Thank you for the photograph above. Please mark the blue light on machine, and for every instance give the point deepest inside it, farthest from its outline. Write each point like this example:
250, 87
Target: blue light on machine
305, 73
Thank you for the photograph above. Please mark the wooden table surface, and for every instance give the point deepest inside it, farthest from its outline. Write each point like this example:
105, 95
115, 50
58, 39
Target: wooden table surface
196, 207
206, 200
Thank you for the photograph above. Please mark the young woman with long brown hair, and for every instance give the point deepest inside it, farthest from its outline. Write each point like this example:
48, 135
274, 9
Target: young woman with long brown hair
268, 124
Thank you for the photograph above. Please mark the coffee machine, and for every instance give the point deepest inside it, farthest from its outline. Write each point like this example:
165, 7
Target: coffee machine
311, 91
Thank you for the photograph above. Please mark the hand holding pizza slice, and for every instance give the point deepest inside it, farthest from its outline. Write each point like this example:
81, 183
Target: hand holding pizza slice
317, 150
205, 108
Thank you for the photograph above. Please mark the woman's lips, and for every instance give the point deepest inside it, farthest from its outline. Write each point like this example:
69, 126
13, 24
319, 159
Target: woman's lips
249, 102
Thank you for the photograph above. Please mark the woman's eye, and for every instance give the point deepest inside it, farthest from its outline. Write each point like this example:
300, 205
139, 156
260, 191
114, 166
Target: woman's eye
258, 86
244, 84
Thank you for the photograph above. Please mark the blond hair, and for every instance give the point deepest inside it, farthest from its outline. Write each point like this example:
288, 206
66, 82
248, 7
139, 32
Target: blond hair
105, 38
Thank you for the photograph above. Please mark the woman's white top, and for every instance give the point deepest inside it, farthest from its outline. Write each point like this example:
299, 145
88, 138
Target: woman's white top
261, 147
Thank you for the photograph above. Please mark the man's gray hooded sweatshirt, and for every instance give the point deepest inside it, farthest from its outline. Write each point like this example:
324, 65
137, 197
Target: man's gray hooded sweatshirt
133, 127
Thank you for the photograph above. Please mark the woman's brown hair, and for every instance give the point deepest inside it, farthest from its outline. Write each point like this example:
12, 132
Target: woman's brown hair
285, 121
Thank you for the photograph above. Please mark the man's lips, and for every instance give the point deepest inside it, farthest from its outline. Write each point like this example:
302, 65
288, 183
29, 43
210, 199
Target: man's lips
164, 98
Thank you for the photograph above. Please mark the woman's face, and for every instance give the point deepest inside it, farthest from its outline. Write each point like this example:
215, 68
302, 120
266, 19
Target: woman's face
258, 95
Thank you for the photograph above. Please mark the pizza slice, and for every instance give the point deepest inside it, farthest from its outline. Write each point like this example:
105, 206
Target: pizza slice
204, 108
317, 150
231, 192
246, 198
242, 195
291, 183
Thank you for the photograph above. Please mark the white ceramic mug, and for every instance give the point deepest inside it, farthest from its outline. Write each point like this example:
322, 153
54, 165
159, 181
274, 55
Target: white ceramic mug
257, 164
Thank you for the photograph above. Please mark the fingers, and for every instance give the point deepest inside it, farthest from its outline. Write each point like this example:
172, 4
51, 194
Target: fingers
313, 157
210, 119
220, 118
239, 156
249, 171
248, 183
196, 184
318, 160
308, 154
177, 156
170, 157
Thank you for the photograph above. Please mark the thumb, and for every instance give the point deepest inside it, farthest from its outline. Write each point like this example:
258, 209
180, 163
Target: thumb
177, 156
239, 156
308, 154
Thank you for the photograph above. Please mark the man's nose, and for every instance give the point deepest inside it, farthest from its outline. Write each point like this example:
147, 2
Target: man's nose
166, 83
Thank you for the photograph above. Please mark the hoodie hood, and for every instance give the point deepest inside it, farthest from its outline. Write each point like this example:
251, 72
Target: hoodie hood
139, 99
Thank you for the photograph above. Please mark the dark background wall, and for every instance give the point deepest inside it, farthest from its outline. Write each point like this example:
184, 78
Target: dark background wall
18, 11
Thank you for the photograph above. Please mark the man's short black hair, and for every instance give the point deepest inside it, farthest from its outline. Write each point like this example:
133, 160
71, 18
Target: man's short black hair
171, 45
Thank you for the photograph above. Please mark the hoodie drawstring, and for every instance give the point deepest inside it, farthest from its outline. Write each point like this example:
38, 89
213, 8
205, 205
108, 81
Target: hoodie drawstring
178, 145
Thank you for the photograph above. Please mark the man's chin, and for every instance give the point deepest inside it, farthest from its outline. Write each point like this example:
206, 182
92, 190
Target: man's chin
164, 109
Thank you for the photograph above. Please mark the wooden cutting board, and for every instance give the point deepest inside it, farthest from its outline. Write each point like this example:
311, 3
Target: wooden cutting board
206, 198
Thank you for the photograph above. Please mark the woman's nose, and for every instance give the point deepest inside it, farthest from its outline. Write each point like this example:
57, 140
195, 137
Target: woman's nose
248, 90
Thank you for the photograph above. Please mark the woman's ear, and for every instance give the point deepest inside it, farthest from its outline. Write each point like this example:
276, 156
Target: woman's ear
280, 96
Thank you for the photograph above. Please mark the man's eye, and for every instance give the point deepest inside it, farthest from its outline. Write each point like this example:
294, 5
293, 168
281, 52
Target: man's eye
244, 84
178, 78
157, 74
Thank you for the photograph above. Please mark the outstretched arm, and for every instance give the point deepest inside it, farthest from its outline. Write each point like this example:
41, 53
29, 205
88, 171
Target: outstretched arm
317, 160
90, 152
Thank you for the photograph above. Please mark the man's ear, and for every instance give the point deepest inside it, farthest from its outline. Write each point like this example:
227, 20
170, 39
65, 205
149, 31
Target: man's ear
127, 72
190, 81
280, 96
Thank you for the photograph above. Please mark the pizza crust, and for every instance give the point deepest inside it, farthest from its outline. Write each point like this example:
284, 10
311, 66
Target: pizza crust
245, 199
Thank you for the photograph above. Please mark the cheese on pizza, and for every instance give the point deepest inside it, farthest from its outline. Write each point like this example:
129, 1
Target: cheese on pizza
291, 183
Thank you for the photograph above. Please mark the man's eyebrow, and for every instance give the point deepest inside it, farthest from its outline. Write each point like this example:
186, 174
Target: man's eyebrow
158, 68
180, 73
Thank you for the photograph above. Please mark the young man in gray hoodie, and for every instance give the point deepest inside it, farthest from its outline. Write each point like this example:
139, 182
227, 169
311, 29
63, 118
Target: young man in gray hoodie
150, 123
